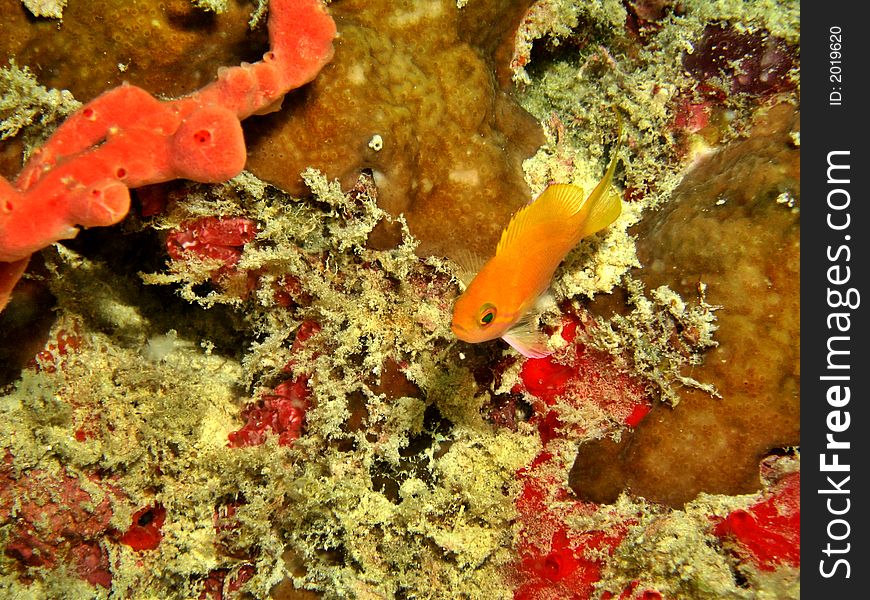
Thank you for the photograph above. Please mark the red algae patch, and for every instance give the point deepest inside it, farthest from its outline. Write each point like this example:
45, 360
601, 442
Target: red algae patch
579, 377
145, 532
767, 533
50, 520
281, 413
756, 63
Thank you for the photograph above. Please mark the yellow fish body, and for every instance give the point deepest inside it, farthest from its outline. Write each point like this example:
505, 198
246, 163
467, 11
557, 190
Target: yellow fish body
498, 301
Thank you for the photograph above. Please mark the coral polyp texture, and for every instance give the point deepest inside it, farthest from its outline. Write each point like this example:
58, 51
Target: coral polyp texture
245, 384
413, 95
167, 47
753, 275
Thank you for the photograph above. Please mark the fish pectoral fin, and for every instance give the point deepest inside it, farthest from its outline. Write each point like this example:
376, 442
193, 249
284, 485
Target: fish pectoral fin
527, 340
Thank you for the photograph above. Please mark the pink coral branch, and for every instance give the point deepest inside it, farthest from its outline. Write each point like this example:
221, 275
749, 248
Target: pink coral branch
126, 138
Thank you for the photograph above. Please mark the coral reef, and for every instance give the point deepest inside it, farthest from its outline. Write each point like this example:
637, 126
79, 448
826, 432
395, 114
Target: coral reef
240, 392
413, 96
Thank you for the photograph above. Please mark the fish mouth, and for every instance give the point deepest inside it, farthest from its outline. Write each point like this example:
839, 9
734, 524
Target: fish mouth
471, 336
465, 334
459, 331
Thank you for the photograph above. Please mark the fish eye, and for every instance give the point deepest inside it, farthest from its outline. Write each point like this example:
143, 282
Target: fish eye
487, 314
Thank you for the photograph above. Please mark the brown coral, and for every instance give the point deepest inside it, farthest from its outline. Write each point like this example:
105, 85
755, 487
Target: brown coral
413, 95
733, 225
168, 47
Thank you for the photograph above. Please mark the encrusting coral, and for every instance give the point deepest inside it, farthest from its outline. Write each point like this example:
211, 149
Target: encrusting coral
733, 227
126, 138
168, 47
412, 95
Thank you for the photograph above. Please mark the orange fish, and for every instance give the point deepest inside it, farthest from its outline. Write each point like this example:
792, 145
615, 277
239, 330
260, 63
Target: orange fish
498, 301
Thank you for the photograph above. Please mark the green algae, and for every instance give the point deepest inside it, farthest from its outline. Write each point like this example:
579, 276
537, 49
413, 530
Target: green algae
129, 403
215, 6
574, 95
362, 299
639, 80
24, 103
676, 553
52, 9
660, 338
162, 400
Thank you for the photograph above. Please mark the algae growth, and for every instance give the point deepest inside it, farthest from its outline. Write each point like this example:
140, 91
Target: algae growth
425, 468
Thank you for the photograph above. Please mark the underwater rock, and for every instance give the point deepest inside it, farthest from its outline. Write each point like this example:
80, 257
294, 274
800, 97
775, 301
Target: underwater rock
733, 224
27, 320
169, 47
413, 95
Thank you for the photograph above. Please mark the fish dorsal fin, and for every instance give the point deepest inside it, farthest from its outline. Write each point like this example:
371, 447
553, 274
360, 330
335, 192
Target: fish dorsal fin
468, 265
603, 206
562, 201
558, 202
526, 339
563, 198
516, 225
